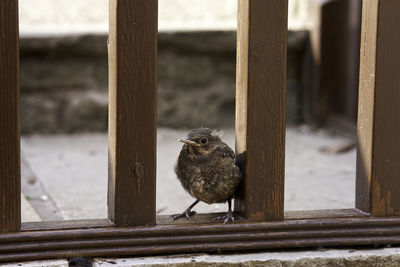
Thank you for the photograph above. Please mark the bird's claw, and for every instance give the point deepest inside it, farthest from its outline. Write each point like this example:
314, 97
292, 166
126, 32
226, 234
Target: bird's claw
186, 213
228, 216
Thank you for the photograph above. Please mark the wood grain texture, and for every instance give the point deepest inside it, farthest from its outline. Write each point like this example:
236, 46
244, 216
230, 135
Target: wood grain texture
85, 232
132, 111
378, 168
189, 238
10, 184
202, 218
323, 214
66, 224
221, 247
199, 219
194, 239
260, 107
366, 104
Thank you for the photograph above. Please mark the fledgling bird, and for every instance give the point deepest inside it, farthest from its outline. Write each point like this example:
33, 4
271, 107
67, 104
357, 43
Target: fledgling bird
206, 169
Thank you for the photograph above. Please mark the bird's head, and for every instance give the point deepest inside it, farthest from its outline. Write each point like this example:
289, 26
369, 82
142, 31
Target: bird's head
201, 140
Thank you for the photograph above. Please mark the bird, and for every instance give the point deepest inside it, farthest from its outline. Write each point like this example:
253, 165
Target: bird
207, 170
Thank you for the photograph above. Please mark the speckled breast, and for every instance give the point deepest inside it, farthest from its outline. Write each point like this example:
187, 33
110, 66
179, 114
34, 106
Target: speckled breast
211, 183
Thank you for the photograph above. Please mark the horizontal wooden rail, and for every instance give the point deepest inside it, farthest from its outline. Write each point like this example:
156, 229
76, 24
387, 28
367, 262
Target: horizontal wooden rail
198, 248
196, 239
170, 239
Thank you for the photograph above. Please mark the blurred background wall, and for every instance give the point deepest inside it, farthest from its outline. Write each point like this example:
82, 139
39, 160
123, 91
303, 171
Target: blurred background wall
64, 63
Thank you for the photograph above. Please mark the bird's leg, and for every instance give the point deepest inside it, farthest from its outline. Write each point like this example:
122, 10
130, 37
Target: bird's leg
187, 213
228, 216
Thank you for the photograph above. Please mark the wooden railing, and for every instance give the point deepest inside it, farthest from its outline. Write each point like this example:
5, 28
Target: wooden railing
133, 227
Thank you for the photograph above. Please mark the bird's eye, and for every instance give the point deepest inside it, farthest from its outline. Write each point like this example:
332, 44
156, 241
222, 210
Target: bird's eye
204, 140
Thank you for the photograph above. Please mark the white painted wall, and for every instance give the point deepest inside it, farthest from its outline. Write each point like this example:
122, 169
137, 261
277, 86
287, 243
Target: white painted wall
69, 16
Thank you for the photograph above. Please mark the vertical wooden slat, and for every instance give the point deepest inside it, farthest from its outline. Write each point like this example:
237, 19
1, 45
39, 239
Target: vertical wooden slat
378, 159
10, 187
331, 88
260, 107
132, 111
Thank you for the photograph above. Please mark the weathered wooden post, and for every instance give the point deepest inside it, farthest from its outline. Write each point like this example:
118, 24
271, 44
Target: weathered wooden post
132, 112
378, 158
10, 180
260, 107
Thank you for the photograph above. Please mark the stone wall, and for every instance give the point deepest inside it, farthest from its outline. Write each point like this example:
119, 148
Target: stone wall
64, 81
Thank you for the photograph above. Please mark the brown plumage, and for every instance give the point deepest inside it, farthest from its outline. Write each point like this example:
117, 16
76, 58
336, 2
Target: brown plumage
206, 169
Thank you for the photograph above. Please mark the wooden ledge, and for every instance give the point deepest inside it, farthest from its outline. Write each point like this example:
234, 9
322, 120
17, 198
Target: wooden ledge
101, 238
201, 218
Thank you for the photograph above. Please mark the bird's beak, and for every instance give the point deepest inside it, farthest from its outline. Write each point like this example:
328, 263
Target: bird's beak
188, 142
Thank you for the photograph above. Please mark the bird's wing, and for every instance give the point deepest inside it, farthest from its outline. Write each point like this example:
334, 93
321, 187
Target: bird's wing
225, 151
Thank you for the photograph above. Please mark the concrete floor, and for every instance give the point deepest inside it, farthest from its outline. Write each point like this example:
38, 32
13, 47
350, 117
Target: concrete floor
72, 173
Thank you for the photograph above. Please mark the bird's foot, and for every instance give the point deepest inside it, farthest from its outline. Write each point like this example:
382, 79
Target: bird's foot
229, 216
187, 213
